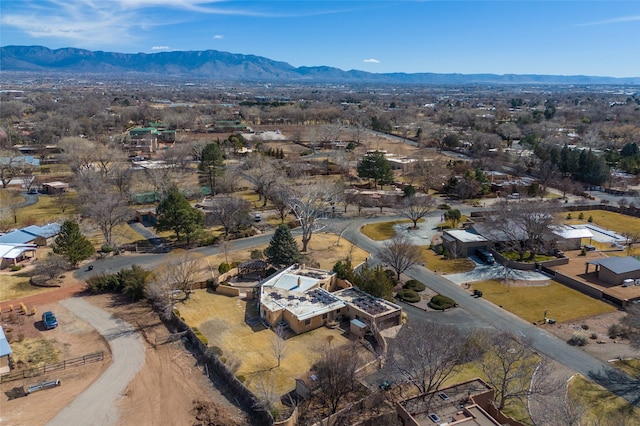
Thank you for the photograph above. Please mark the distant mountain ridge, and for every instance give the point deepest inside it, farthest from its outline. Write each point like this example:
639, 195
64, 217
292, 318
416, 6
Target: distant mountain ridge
224, 66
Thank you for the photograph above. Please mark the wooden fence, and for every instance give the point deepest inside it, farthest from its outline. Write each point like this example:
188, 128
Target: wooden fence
63, 365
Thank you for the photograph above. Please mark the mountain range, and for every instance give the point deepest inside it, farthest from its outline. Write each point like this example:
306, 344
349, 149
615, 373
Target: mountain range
224, 66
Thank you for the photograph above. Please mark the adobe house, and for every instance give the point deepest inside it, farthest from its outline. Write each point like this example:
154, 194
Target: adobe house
55, 187
467, 403
614, 270
305, 299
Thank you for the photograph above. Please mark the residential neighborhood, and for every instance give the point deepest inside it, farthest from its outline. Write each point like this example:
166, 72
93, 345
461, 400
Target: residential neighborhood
365, 264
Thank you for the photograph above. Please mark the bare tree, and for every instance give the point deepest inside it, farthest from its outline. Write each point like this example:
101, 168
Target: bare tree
309, 203
510, 364
10, 166
400, 254
631, 324
106, 209
523, 226
426, 355
264, 174
632, 237
279, 344
335, 372
416, 207
50, 267
229, 212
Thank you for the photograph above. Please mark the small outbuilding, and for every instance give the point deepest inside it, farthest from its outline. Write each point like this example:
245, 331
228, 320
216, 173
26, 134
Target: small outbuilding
55, 187
463, 242
615, 270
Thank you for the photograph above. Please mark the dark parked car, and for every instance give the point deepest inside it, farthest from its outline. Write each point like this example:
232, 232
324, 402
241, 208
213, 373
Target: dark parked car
49, 320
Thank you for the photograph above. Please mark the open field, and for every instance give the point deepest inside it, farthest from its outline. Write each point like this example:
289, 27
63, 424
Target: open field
617, 222
529, 301
629, 366
222, 320
46, 210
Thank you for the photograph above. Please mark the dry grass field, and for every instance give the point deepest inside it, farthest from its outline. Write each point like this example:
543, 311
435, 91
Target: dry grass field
529, 300
222, 320
617, 222
438, 263
603, 407
323, 249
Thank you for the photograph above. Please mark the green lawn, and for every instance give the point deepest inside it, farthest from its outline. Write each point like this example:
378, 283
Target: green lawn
530, 302
512, 255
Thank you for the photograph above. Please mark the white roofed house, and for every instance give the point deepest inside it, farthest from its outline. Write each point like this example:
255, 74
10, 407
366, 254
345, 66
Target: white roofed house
302, 298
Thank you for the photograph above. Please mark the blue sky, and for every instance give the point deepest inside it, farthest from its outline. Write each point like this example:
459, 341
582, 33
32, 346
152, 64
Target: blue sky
509, 36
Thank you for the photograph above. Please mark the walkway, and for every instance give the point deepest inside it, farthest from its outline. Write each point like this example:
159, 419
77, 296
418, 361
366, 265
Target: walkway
96, 406
492, 272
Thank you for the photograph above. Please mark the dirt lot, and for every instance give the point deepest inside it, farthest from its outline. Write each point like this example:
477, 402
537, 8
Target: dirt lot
162, 393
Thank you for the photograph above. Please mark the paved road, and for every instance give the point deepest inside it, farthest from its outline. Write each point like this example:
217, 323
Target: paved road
474, 311
29, 200
96, 405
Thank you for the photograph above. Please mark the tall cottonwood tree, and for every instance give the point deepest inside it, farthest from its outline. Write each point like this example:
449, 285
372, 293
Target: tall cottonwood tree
416, 207
426, 355
309, 203
335, 372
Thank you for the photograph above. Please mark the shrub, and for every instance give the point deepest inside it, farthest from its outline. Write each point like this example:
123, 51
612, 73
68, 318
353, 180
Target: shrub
414, 285
215, 350
106, 249
444, 206
590, 219
200, 336
441, 302
569, 217
583, 252
440, 249
103, 283
594, 336
241, 378
578, 339
224, 268
257, 254
16, 267
581, 216
584, 326
615, 330
408, 295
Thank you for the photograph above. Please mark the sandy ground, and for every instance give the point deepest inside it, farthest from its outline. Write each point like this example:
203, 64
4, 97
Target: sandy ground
162, 393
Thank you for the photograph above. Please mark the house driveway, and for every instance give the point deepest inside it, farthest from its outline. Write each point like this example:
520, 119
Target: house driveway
484, 272
96, 406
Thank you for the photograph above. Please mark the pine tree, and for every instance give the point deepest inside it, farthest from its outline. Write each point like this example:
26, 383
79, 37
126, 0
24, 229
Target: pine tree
283, 250
176, 214
71, 244
211, 165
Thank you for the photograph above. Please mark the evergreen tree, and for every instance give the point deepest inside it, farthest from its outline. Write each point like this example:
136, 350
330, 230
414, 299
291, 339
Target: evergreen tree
374, 281
211, 165
71, 244
176, 214
376, 167
283, 250
344, 270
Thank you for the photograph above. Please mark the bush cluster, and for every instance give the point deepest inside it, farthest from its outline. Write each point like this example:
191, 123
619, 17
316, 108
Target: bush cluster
130, 281
441, 302
408, 295
578, 339
414, 285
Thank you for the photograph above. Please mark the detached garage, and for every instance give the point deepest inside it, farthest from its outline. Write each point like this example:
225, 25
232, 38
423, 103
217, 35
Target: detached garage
463, 242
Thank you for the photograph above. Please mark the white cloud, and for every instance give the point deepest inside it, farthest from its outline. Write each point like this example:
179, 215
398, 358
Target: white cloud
371, 61
160, 48
612, 21
218, 36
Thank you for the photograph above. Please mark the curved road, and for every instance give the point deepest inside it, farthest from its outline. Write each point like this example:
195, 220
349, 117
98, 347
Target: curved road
476, 311
96, 405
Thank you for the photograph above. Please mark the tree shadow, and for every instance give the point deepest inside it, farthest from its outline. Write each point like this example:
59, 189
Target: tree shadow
618, 383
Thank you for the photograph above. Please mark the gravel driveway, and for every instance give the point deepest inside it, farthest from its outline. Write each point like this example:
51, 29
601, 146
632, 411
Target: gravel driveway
96, 406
